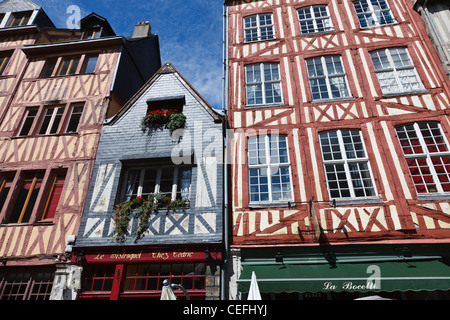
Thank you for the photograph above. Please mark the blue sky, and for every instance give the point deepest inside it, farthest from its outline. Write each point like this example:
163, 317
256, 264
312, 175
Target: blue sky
190, 33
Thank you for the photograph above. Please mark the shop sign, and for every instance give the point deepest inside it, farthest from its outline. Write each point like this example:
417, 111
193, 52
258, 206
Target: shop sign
159, 256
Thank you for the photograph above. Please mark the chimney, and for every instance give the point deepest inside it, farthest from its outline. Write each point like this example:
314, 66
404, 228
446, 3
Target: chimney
142, 29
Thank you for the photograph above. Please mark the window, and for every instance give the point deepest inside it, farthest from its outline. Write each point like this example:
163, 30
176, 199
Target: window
91, 64
269, 169
93, 33
173, 182
4, 59
150, 277
26, 284
54, 195
75, 117
314, 19
427, 153
25, 200
68, 66
373, 13
395, 71
263, 85
49, 68
327, 78
52, 119
18, 19
6, 181
48, 120
30, 116
346, 164
258, 27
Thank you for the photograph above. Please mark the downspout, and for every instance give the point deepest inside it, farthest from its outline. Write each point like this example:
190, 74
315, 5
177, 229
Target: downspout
223, 291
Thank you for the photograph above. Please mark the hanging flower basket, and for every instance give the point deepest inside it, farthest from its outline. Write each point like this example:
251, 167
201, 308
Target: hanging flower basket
170, 119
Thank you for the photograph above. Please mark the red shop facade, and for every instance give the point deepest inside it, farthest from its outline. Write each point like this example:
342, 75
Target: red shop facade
124, 273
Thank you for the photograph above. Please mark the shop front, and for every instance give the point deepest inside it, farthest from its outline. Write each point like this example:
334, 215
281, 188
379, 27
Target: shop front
347, 273
139, 273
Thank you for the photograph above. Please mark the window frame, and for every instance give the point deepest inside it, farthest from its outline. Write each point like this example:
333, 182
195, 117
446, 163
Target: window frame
42, 198
263, 83
269, 166
327, 76
5, 58
345, 161
157, 189
425, 154
57, 64
373, 14
23, 16
258, 28
29, 283
315, 20
396, 70
40, 117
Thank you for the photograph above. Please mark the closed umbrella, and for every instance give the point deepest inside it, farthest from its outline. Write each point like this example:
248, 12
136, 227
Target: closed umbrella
254, 293
167, 293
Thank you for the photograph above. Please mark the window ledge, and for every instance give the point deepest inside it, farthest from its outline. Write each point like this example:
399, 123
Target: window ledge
46, 135
316, 33
433, 197
407, 93
262, 205
268, 105
353, 201
333, 100
259, 40
379, 26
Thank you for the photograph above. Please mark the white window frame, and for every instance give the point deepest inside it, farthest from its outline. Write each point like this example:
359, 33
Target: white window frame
270, 167
258, 27
55, 114
263, 83
327, 76
345, 161
314, 19
176, 171
395, 70
426, 154
373, 14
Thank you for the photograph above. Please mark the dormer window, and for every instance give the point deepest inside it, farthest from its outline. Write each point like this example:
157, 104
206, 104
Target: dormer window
18, 19
92, 33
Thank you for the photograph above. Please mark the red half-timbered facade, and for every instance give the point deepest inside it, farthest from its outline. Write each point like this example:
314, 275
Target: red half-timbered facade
339, 112
57, 87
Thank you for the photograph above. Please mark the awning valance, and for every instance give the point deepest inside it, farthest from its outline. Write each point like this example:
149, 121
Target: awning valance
349, 277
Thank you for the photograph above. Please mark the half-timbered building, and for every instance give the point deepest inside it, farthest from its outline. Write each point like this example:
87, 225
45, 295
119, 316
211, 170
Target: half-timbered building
340, 154
56, 88
155, 203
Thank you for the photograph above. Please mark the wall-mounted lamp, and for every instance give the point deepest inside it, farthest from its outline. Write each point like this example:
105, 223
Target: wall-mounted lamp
210, 255
79, 257
279, 258
4, 262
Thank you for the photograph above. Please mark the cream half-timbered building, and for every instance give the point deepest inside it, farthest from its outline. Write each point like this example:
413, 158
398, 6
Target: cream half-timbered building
342, 103
57, 87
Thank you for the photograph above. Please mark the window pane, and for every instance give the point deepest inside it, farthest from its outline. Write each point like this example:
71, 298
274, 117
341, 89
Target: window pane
132, 185
75, 118
91, 64
184, 184
26, 198
166, 182
54, 197
49, 67
29, 120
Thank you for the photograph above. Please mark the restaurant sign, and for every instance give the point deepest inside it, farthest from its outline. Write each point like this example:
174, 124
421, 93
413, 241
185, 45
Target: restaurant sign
157, 256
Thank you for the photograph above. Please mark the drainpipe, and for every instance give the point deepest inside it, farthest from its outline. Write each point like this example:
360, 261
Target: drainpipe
223, 290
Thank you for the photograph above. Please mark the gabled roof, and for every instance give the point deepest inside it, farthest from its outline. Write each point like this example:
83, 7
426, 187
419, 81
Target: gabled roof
94, 18
168, 68
18, 6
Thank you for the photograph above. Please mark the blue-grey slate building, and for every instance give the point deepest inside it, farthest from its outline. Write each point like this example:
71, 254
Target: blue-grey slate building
183, 245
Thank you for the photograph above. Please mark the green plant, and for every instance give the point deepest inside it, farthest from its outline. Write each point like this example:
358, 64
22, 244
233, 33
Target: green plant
141, 209
171, 119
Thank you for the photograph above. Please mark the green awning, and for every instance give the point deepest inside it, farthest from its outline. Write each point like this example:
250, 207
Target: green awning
349, 277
